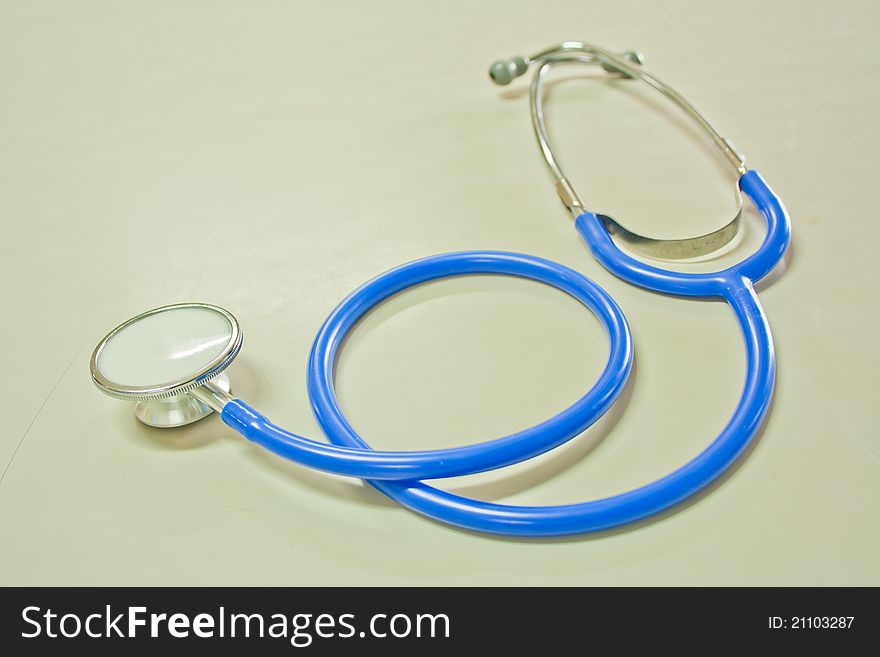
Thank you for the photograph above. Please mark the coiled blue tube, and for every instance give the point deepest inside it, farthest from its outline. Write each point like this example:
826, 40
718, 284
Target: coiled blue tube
359, 460
734, 285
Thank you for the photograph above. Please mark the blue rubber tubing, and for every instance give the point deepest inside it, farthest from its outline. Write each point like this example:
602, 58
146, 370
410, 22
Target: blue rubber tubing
350, 455
734, 285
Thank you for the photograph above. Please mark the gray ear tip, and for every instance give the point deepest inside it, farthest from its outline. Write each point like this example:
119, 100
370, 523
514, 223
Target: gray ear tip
504, 71
635, 56
500, 73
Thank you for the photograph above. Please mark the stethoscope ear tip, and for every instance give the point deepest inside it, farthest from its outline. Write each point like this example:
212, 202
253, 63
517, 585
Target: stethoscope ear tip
504, 71
631, 56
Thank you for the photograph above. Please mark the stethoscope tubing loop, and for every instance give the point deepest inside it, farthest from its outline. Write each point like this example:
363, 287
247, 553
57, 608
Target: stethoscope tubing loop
359, 460
735, 286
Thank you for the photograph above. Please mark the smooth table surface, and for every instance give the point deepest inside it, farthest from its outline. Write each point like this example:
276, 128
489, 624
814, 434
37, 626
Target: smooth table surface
270, 157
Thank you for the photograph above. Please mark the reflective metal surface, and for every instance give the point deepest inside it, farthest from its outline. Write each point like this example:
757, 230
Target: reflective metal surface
180, 385
181, 409
214, 394
185, 399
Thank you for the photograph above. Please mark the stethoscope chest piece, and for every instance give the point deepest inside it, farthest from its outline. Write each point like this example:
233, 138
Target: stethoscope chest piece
169, 361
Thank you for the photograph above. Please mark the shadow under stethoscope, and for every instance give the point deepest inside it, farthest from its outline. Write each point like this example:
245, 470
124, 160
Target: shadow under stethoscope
190, 436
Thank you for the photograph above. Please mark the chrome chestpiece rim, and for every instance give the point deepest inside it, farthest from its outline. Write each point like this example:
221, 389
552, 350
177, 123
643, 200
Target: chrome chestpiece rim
161, 358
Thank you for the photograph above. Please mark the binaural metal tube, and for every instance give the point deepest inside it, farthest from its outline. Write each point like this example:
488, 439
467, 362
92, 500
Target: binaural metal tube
577, 51
628, 64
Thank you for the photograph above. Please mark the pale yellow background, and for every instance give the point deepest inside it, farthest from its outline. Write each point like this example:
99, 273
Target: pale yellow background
271, 156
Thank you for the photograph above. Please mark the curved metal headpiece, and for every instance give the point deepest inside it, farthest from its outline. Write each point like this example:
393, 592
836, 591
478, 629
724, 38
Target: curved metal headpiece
629, 65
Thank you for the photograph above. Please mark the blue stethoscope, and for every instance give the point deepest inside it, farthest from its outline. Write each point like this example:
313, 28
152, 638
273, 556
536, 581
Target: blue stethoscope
170, 361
